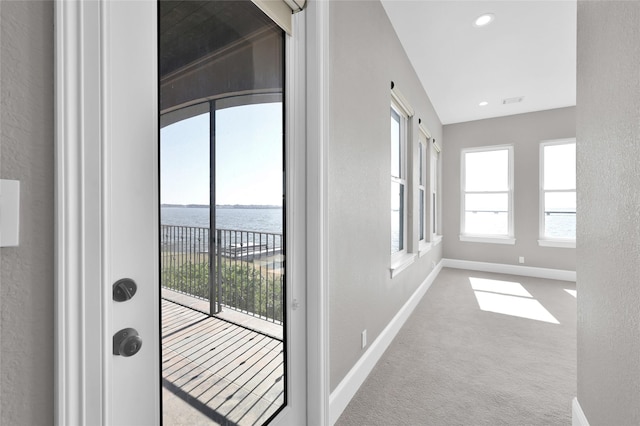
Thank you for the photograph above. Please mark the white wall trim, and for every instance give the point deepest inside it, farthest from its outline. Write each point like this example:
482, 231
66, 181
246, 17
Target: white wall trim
88, 132
318, 130
501, 268
402, 102
402, 263
425, 132
557, 243
77, 354
577, 415
488, 240
348, 387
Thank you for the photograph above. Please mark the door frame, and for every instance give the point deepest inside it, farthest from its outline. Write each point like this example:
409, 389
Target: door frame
318, 132
89, 135
81, 337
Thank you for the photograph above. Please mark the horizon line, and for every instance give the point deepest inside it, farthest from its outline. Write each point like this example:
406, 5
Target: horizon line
220, 205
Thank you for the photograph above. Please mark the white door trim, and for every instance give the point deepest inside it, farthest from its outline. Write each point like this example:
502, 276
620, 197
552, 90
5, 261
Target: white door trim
78, 188
93, 143
295, 133
317, 213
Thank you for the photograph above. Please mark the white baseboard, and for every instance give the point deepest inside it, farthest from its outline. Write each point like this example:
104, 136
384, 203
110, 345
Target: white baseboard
500, 268
577, 415
340, 397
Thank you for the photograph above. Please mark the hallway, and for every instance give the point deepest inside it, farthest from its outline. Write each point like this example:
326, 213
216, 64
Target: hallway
479, 349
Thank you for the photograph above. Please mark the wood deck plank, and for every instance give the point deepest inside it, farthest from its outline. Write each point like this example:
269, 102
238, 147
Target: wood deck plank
215, 372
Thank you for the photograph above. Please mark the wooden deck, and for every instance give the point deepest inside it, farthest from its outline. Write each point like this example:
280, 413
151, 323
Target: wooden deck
216, 372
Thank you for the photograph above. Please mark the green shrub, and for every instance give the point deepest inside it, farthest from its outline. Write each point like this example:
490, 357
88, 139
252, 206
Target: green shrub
243, 286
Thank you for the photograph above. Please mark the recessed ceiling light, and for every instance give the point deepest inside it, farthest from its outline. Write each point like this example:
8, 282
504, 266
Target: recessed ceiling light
483, 103
483, 20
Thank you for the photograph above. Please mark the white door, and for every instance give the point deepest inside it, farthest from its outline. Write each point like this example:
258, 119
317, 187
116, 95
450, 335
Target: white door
108, 227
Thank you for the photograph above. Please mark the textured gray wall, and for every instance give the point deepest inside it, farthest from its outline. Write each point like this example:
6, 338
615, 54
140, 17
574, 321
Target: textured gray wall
364, 59
608, 124
26, 154
525, 132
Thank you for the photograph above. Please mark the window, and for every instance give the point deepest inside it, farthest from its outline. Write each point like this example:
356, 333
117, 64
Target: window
558, 193
435, 160
428, 152
422, 187
401, 114
487, 195
398, 180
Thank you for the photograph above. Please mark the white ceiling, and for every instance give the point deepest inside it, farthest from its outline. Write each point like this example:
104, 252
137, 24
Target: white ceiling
528, 50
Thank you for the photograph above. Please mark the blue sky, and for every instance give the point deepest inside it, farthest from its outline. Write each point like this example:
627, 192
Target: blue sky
248, 157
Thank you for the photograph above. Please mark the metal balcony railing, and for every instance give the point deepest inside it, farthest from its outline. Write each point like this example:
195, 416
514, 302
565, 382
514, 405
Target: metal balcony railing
239, 270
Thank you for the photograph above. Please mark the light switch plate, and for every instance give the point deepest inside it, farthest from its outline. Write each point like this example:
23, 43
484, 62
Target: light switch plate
9, 213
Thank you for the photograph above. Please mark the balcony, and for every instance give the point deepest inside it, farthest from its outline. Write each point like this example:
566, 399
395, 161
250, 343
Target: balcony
222, 333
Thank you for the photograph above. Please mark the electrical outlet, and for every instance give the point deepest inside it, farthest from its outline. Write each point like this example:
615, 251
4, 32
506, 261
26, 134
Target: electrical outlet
364, 338
521, 259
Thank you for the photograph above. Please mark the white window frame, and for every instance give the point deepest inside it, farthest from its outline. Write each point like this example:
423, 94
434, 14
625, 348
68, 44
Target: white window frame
487, 238
434, 221
544, 240
403, 258
424, 243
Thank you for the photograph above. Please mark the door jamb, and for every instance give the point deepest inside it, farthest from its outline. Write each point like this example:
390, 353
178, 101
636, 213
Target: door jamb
318, 130
78, 235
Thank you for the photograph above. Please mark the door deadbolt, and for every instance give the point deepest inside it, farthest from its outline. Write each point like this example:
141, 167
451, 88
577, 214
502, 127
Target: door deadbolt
124, 289
126, 342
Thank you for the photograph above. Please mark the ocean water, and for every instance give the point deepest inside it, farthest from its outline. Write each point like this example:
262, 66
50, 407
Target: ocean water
270, 220
246, 219
557, 225
560, 225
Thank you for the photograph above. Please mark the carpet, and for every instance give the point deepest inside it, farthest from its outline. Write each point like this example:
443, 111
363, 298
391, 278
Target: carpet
454, 363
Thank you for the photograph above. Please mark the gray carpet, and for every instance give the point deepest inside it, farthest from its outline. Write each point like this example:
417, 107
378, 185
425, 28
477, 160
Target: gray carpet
455, 364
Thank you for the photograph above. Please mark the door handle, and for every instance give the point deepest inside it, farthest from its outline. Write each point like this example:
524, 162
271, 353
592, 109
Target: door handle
124, 289
126, 342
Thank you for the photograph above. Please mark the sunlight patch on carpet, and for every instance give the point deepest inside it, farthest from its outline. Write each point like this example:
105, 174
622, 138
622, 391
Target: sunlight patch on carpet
496, 286
509, 298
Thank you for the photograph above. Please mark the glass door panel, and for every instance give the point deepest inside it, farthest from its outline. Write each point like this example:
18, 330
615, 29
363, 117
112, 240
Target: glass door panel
223, 230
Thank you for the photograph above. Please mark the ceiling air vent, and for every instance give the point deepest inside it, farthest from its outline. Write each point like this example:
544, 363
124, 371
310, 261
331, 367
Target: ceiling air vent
512, 100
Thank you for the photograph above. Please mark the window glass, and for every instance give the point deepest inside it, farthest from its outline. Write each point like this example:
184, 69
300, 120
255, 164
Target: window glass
399, 146
223, 228
435, 156
558, 189
560, 166
396, 145
422, 200
397, 217
487, 170
487, 192
421, 187
421, 163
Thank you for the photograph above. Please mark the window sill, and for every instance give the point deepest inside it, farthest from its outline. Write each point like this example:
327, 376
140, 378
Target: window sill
424, 248
490, 240
401, 263
557, 243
